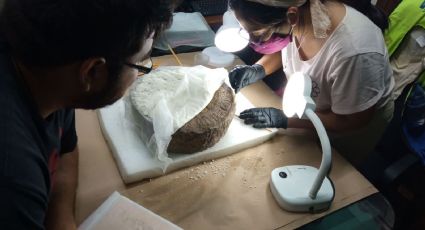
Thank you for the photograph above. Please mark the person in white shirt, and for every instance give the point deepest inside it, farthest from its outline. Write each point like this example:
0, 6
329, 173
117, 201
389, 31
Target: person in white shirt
340, 45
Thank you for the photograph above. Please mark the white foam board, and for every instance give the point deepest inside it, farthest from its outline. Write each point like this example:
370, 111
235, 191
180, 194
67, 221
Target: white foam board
135, 162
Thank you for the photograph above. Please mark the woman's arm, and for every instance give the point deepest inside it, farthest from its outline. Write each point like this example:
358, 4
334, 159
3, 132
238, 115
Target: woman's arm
271, 62
336, 122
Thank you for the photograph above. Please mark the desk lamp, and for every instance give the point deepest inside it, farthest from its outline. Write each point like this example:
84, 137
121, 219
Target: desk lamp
301, 188
231, 37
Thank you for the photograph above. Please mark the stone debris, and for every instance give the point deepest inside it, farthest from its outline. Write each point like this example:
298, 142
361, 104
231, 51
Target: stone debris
213, 167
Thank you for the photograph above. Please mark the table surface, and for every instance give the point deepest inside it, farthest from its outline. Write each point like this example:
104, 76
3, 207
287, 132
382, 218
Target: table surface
227, 193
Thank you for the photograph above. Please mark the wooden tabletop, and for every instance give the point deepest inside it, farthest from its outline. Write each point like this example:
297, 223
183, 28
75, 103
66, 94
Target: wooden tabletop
228, 193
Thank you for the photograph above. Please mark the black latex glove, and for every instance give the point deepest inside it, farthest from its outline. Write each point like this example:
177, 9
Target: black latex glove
243, 75
265, 118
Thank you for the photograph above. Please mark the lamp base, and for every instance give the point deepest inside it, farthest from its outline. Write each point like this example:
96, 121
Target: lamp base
290, 186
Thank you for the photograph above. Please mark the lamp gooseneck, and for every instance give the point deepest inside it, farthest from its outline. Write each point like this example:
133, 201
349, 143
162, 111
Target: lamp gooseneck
326, 153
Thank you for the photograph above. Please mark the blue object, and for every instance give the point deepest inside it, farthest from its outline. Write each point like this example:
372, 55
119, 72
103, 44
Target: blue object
413, 122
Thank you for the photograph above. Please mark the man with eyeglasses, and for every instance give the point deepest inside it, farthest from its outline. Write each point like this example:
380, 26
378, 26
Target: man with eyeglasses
56, 56
144, 67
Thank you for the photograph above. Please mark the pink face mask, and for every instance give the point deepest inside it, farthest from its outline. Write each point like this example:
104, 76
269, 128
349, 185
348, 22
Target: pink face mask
274, 44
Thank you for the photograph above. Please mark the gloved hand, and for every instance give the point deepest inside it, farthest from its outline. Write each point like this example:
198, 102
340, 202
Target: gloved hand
265, 118
243, 75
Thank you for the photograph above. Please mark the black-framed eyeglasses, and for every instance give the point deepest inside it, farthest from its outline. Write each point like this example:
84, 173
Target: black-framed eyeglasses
252, 38
144, 67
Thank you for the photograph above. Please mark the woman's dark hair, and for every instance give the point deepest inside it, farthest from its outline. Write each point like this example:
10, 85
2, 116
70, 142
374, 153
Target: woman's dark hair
262, 15
257, 14
46, 33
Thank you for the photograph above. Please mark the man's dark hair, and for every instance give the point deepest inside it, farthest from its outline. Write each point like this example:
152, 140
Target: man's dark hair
45, 33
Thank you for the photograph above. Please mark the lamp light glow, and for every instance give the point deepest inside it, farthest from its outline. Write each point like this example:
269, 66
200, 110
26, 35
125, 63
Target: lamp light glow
302, 188
231, 37
297, 95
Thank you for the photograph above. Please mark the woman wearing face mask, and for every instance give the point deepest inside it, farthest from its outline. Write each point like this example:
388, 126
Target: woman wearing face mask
339, 44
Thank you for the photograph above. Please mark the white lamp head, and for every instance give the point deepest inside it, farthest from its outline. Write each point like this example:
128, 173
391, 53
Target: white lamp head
231, 37
296, 98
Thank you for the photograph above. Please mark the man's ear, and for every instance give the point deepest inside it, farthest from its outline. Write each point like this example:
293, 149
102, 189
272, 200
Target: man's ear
93, 73
292, 15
